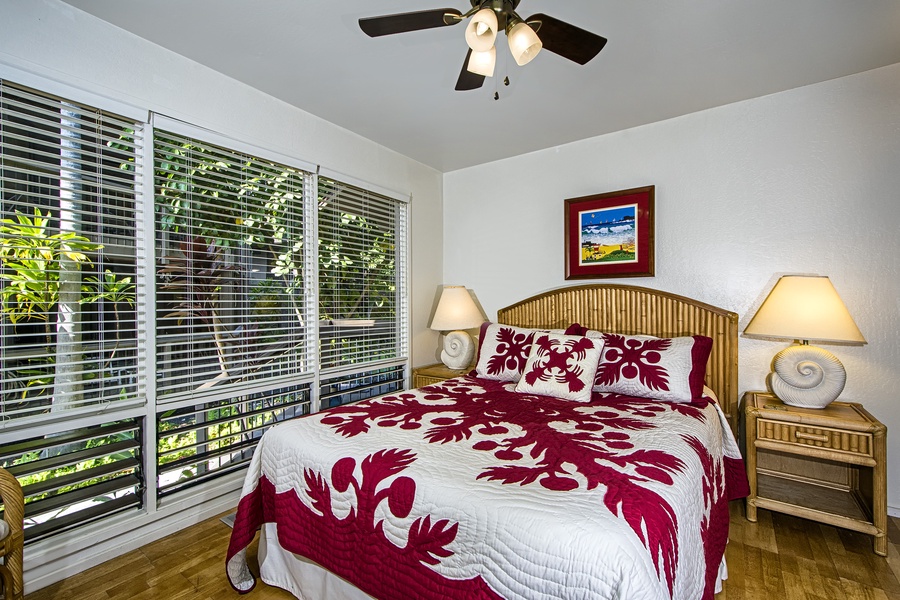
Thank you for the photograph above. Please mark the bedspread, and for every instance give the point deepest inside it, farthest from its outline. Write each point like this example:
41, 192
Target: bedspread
467, 489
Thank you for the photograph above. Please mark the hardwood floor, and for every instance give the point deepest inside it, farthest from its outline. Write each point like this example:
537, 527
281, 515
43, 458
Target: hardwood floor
778, 558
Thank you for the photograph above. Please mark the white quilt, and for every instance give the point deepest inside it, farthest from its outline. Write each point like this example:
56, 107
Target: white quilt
467, 489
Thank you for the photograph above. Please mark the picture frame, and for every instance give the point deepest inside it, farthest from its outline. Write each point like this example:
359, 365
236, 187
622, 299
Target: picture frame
610, 235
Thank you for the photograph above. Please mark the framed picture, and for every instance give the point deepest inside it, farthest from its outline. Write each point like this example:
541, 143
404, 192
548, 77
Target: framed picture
610, 235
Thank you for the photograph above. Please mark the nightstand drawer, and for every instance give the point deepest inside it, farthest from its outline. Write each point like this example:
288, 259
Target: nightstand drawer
792, 434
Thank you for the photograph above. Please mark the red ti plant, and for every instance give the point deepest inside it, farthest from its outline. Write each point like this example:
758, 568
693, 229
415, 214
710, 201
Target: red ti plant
196, 278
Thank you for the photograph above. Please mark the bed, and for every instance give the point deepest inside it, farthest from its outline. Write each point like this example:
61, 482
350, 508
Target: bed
555, 469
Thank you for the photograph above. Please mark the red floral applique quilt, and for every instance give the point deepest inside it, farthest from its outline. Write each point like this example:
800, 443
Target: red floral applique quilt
467, 489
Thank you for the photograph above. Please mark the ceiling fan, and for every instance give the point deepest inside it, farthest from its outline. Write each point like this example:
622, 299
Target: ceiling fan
526, 36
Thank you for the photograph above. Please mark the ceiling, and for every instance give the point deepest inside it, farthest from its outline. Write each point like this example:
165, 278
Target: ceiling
664, 58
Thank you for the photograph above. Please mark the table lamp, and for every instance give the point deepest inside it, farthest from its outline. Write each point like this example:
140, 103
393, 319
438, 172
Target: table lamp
805, 308
456, 311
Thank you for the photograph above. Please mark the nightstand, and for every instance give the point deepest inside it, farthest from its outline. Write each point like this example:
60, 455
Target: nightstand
435, 374
828, 465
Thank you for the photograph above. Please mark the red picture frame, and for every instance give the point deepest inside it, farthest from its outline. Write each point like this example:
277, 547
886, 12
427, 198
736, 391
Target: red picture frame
610, 235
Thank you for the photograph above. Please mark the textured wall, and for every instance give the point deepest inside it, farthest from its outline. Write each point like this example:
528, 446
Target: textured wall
805, 181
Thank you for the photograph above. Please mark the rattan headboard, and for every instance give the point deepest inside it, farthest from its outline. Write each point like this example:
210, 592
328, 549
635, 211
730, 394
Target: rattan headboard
637, 310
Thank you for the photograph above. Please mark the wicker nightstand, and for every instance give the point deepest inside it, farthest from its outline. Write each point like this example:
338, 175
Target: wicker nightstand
827, 465
435, 374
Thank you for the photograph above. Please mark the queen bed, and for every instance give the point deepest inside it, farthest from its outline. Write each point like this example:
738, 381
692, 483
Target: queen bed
590, 454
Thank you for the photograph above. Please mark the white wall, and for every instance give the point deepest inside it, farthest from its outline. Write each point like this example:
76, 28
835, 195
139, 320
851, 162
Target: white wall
53, 40
805, 181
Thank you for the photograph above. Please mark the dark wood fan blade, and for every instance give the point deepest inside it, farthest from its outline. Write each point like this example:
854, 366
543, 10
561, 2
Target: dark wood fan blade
411, 21
567, 40
467, 79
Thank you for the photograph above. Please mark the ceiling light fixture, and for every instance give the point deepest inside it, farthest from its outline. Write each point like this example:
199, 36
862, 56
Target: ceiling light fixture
483, 63
481, 35
524, 43
482, 30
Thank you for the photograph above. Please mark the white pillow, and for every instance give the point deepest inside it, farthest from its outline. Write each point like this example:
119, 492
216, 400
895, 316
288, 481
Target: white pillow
562, 366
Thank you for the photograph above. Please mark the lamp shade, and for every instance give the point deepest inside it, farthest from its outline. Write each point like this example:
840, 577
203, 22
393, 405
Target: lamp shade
523, 43
482, 63
482, 30
456, 310
807, 308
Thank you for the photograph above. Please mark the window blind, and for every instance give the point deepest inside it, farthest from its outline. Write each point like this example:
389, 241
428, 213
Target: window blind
231, 306
362, 276
68, 287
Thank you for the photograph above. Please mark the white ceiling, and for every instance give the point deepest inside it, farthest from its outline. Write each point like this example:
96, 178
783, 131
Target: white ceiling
664, 58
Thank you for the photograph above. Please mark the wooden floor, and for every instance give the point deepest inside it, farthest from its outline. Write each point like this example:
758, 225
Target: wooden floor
778, 558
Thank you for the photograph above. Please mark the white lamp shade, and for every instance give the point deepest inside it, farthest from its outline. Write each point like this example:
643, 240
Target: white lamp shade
807, 308
456, 310
482, 63
482, 30
523, 43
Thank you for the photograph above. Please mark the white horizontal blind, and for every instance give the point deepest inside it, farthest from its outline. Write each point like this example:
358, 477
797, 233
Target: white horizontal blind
230, 311
68, 200
362, 271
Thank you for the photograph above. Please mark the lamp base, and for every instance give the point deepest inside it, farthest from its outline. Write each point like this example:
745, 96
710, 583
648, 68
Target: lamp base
807, 376
459, 349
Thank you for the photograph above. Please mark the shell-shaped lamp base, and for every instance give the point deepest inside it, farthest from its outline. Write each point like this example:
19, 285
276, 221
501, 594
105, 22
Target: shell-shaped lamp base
807, 376
459, 349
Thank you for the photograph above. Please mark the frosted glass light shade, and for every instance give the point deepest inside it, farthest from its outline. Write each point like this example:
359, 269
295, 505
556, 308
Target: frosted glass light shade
523, 43
807, 308
482, 63
456, 310
482, 30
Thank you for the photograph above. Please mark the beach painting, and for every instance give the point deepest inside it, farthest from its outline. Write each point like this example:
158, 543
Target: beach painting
608, 235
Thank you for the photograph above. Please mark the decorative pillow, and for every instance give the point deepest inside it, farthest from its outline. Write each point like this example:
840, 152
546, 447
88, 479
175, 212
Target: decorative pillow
503, 351
576, 329
671, 369
562, 366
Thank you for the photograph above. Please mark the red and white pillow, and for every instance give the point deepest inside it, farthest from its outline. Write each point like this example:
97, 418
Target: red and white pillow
671, 369
562, 366
503, 351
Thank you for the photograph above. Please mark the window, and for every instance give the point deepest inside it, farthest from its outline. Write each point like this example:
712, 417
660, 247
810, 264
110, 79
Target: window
231, 312
197, 443
68, 285
345, 389
77, 476
217, 271
362, 271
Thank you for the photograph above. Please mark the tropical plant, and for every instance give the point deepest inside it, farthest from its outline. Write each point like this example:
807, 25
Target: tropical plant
31, 260
31, 257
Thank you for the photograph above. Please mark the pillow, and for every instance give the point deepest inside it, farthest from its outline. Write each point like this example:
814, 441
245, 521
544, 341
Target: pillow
562, 366
503, 351
576, 329
671, 369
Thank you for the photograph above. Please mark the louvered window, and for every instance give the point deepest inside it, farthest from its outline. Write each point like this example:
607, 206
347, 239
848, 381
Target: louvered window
78, 476
362, 271
346, 389
69, 335
198, 443
231, 301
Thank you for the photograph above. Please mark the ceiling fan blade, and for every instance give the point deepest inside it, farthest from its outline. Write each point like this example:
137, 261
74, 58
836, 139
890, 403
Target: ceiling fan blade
567, 40
411, 21
467, 79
